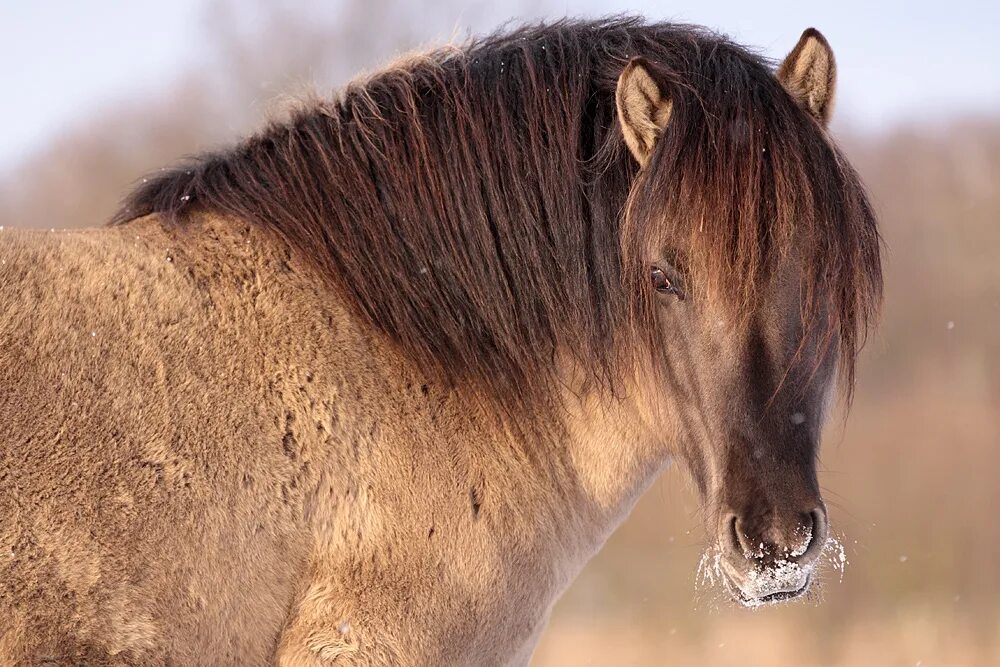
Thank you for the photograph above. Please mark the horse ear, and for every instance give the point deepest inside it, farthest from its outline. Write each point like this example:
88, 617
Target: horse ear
809, 74
643, 111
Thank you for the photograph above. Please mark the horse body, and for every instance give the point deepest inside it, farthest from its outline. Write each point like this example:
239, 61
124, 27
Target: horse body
373, 386
208, 460
125, 422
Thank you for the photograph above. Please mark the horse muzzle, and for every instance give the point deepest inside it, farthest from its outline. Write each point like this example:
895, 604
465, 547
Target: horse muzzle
764, 564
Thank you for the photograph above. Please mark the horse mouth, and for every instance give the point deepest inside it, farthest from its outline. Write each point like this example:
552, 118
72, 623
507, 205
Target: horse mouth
770, 598
782, 596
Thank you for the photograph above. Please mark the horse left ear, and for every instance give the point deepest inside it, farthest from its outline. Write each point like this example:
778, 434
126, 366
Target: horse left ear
643, 110
809, 74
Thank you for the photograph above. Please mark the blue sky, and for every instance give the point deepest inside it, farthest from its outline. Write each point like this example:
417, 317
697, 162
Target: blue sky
898, 61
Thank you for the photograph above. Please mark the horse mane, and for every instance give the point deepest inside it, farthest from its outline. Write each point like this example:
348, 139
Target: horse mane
477, 205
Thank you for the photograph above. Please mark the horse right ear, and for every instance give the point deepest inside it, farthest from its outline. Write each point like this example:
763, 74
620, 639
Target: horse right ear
643, 110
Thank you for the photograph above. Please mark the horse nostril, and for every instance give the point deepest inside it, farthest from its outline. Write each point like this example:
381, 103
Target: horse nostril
740, 543
819, 532
731, 539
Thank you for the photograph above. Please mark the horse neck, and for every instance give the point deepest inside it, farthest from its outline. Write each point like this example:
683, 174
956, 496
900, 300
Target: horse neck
615, 453
586, 472
396, 471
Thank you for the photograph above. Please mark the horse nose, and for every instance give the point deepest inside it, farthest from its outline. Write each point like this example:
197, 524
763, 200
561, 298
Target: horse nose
798, 538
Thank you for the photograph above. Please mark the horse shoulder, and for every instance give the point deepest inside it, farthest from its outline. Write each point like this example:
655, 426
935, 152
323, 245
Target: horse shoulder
156, 510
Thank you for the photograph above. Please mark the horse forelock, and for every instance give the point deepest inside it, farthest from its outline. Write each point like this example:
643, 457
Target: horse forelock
744, 182
471, 204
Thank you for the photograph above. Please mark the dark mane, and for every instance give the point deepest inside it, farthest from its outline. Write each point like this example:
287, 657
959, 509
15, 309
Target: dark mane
471, 203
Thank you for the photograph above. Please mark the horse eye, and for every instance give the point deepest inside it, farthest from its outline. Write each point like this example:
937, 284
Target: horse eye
662, 284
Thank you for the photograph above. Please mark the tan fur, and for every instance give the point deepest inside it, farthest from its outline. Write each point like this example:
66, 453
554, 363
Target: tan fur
273, 417
206, 461
809, 74
643, 112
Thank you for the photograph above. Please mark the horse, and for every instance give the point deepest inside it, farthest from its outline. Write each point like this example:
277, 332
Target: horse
371, 386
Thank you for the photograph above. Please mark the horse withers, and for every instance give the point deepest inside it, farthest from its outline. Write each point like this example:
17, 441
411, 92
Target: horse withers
372, 386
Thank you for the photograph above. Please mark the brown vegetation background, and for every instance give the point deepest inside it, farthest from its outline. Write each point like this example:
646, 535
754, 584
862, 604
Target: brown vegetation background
911, 476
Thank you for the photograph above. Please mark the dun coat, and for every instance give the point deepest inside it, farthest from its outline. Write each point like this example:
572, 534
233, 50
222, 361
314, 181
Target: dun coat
370, 387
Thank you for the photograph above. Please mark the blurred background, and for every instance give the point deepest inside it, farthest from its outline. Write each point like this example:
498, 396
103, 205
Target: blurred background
97, 93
